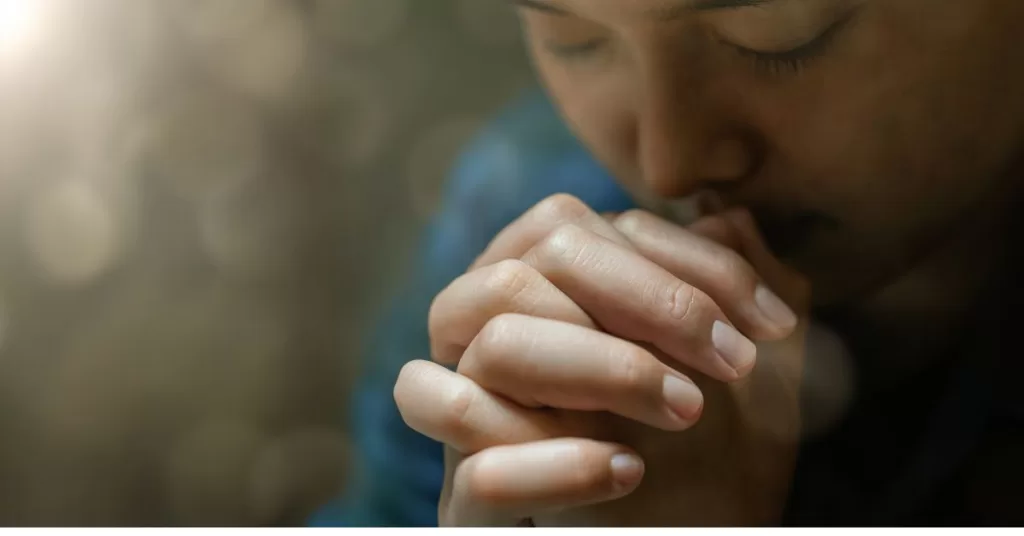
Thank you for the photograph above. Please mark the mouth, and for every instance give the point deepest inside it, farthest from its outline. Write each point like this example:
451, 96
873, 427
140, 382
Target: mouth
789, 234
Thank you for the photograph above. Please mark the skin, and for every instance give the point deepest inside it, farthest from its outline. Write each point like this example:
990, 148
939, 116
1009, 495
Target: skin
805, 130
908, 99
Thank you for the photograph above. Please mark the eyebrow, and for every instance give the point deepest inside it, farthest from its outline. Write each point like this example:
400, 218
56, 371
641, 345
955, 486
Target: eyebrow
667, 13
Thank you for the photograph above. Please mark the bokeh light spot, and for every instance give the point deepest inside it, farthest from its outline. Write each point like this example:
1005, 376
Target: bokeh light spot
250, 232
72, 233
259, 46
206, 144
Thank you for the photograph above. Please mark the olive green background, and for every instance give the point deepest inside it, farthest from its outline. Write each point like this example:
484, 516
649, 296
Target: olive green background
203, 204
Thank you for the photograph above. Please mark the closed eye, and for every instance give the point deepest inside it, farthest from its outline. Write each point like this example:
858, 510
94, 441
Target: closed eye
795, 59
574, 51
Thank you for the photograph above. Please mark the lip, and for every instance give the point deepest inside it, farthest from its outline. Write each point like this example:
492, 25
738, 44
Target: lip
790, 233
786, 231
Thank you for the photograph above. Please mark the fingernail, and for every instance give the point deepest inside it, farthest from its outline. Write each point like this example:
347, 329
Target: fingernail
683, 398
627, 470
733, 347
774, 309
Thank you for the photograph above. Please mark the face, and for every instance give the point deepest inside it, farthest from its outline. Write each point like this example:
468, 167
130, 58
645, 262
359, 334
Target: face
861, 133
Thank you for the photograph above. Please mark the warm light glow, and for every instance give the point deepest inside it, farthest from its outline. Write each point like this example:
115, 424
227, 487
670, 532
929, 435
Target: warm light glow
19, 21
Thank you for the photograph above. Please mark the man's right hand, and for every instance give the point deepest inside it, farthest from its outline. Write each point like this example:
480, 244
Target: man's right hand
579, 343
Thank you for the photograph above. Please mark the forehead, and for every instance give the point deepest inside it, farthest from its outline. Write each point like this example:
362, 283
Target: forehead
638, 10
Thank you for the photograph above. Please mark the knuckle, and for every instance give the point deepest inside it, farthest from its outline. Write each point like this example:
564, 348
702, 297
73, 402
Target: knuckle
436, 314
632, 221
568, 245
509, 279
435, 328
678, 301
587, 469
494, 342
478, 484
405, 383
432, 313
445, 344
734, 275
562, 208
630, 370
457, 407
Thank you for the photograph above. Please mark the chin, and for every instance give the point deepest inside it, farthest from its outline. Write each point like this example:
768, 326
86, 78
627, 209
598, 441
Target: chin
841, 281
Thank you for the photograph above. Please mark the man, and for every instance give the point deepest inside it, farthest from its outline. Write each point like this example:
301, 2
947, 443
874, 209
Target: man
825, 339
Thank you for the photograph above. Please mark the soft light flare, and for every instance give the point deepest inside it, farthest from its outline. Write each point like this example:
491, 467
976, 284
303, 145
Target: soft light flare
19, 23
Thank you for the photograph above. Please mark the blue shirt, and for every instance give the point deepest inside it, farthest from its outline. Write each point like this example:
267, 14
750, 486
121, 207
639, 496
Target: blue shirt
524, 156
910, 473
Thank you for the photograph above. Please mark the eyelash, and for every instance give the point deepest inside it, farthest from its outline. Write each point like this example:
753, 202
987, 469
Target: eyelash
789, 62
773, 63
779, 63
792, 61
575, 52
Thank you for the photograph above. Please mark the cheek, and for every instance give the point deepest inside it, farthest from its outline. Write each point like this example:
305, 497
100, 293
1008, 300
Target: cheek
902, 135
599, 109
914, 111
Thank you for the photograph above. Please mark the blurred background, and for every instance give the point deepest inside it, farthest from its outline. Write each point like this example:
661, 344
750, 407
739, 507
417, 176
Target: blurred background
203, 205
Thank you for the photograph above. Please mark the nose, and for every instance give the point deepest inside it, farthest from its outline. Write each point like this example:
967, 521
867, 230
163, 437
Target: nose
686, 135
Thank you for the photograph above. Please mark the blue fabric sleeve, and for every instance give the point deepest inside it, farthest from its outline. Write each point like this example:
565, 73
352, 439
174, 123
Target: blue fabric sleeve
522, 158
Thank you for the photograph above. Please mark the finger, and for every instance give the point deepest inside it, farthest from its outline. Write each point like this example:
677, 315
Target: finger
701, 337
719, 230
504, 485
632, 297
772, 393
742, 235
558, 210
721, 272
452, 409
541, 363
787, 282
511, 286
